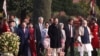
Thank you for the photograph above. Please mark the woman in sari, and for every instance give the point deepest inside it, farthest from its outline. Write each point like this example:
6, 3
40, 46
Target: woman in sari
32, 40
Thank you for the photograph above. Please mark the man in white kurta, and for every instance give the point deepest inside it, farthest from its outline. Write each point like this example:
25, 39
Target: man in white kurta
84, 39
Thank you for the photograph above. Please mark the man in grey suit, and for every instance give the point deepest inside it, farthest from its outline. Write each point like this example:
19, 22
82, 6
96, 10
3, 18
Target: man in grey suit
38, 29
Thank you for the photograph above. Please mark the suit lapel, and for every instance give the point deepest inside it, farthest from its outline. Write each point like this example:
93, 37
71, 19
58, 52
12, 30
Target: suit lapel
22, 30
38, 27
68, 28
25, 31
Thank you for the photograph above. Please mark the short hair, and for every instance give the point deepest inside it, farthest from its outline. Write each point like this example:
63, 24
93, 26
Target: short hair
23, 22
70, 19
11, 21
40, 18
56, 18
84, 21
51, 19
61, 24
30, 23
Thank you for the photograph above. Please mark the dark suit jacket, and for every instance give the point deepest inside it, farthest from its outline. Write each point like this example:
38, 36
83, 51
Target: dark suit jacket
55, 36
37, 33
67, 32
24, 37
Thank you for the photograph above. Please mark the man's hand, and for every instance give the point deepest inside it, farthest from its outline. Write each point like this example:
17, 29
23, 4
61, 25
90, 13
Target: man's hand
80, 44
35, 41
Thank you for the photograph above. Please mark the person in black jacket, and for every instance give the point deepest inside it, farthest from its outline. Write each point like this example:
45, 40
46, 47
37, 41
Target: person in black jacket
38, 36
54, 33
69, 31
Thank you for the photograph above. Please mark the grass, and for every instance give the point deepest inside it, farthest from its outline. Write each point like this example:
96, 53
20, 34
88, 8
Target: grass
77, 53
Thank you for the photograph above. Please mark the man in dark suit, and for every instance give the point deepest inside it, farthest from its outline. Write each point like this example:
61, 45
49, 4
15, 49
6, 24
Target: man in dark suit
55, 37
38, 29
23, 33
69, 30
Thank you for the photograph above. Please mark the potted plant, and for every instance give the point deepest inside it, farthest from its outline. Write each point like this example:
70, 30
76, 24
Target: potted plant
9, 44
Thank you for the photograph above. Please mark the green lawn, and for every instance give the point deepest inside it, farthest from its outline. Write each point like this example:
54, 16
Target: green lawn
77, 53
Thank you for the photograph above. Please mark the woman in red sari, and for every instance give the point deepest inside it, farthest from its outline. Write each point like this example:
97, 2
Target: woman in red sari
32, 40
95, 40
5, 26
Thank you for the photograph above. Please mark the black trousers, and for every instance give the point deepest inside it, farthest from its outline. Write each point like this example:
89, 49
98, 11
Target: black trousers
23, 49
94, 52
39, 49
69, 44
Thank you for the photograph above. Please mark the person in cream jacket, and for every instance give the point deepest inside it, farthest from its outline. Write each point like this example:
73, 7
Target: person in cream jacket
84, 39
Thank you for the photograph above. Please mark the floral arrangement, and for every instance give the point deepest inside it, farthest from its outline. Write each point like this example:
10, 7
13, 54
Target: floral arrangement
9, 42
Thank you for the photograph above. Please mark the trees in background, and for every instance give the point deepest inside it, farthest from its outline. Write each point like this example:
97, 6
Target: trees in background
46, 7
82, 8
24, 7
1, 4
71, 8
98, 3
20, 7
42, 8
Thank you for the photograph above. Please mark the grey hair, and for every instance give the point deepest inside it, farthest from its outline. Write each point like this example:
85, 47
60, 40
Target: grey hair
61, 24
40, 18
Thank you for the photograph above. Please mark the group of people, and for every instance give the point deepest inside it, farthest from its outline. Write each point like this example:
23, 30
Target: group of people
24, 29
54, 34
64, 35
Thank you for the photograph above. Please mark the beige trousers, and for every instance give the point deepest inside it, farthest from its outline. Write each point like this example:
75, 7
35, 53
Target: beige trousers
56, 51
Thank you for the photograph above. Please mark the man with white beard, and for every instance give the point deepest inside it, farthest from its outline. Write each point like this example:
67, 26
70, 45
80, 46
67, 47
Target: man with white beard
85, 39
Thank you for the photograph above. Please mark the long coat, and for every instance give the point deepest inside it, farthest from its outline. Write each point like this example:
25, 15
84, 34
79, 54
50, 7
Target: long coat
54, 33
24, 37
5, 28
32, 42
95, 40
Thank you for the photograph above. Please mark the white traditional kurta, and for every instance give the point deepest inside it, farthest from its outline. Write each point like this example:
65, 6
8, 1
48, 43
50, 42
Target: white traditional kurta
84, 47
